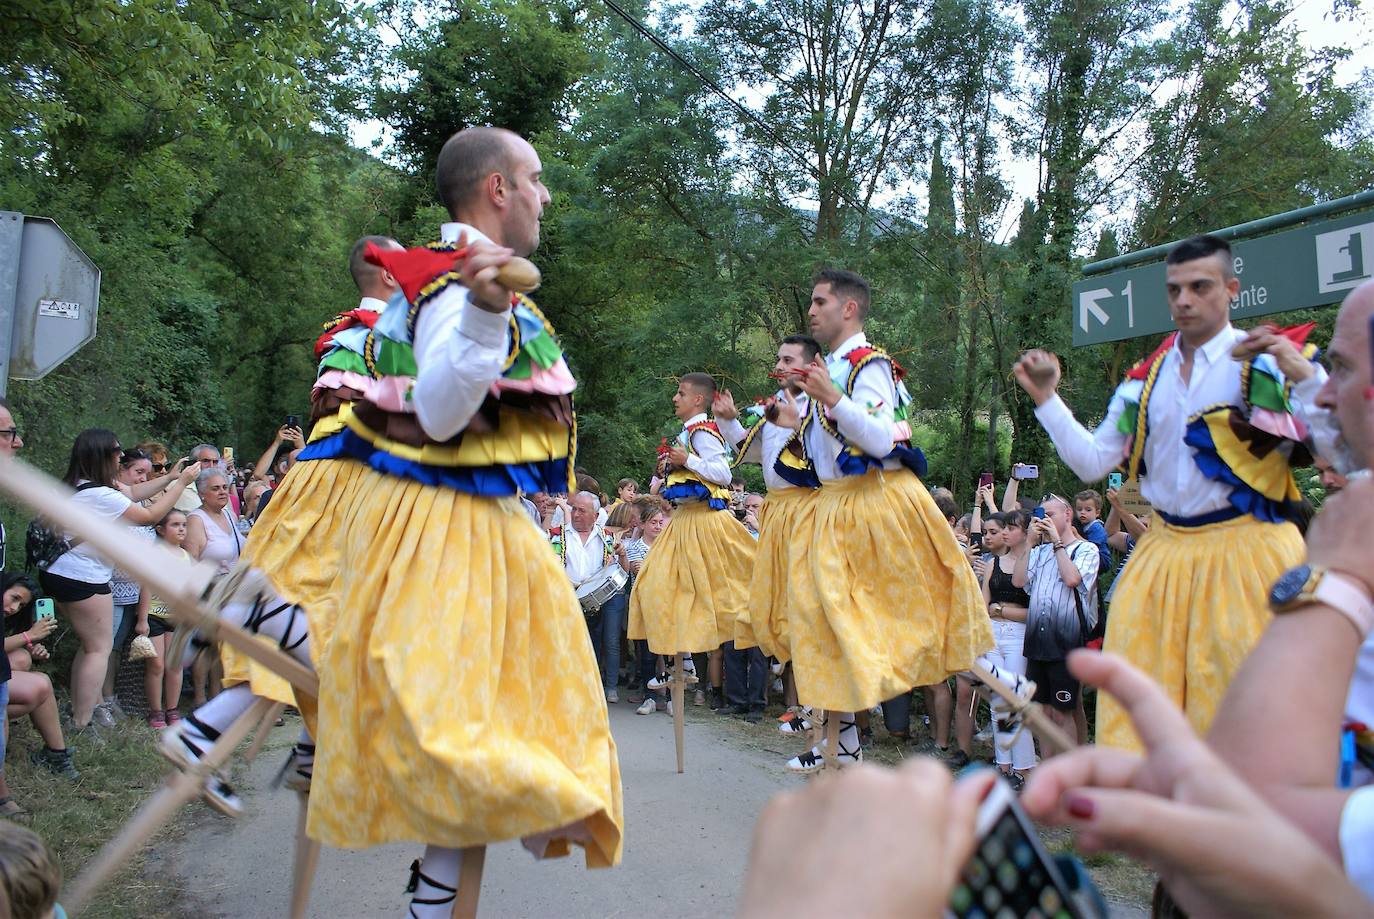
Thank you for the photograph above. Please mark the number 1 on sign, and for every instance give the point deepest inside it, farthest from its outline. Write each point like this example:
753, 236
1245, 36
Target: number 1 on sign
1130, 304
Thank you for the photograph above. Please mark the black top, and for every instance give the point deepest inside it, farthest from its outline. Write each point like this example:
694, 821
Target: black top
1002, 590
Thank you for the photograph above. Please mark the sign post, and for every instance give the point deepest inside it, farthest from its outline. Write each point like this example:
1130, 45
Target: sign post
49, 297
1311, 265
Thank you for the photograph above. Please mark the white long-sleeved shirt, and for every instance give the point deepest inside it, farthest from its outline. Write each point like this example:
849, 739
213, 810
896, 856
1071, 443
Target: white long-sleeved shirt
708, 458
1172, 482
766, 446
584, 556
864, 417
459, 353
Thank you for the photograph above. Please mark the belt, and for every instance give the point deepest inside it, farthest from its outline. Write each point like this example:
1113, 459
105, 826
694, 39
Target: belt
1202, 520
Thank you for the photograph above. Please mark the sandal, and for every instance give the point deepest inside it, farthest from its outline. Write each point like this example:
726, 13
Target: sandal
416, 876
173, 715
11, 808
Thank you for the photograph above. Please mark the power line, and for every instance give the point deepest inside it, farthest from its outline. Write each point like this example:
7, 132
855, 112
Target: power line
766, 128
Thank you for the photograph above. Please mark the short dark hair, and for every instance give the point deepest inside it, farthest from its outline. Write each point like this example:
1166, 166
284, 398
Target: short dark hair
362, 270
1203, 246
585, 482
949, 508
702, 382
465, 161
810, 347
93, 458
848, 285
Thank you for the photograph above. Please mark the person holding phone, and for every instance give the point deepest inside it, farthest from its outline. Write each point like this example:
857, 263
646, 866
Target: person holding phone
1006, 538
1193, 423
31, 693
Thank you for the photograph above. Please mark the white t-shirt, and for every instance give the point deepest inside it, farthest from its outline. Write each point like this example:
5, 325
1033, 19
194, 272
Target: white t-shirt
82, 563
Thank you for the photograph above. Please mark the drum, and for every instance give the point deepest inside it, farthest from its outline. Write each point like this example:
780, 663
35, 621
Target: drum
600, 587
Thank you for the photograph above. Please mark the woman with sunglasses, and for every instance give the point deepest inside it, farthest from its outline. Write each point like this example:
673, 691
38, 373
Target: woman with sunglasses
79, 580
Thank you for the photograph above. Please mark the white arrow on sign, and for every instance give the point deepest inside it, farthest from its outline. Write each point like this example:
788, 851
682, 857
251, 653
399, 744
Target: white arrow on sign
1087, 302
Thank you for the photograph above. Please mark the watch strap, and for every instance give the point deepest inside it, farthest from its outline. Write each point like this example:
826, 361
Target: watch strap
1348, 597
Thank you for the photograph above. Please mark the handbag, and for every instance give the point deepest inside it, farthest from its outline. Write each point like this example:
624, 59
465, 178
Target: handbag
141, 647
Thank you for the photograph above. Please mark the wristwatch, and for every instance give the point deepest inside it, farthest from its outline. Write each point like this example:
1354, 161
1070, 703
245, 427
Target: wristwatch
1307, 584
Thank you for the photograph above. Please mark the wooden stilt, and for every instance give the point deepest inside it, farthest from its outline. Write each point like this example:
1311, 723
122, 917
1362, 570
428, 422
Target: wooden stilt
469, 882
265, 725
307, 858
1044, 728
182, 787
679, 693
832, 740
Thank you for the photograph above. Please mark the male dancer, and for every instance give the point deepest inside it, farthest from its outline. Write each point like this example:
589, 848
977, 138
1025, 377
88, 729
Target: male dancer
293, 547
786, 512
693, 585
1211, 437
895, 602
457, 634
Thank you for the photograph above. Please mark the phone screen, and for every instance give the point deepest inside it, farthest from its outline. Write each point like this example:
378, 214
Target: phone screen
42, 608
1011, 875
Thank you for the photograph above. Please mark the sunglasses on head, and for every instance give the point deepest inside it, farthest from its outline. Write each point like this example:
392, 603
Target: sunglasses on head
129, 457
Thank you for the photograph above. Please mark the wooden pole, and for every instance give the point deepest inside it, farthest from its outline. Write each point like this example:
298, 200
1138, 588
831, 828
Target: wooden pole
182, 787
679, 692
831, 750
469, 882
178, 584
265, 726
307, 858
1044, 728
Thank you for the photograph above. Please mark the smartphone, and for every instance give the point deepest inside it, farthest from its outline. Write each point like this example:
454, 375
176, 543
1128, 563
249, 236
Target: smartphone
1010, 873
975, 539
985, 480
1025, 471
42, 608
1038, 513
1114, 480
227, 454
292, 421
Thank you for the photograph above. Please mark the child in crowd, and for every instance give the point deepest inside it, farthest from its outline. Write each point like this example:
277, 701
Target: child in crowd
29, 875
161, 682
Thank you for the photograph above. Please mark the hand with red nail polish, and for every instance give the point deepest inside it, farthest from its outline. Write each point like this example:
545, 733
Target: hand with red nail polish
1218, 848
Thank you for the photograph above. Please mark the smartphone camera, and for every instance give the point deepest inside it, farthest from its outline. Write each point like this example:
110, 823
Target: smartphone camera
1038, 513
292, 421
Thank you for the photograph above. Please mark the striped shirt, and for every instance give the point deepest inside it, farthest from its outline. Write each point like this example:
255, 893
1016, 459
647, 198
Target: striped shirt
1051, 600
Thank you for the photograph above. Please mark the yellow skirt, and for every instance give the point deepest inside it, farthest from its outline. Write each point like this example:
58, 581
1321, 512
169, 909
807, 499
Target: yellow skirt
460, 701
785, 526
694, 583
896, 604
296, 544
1191, 603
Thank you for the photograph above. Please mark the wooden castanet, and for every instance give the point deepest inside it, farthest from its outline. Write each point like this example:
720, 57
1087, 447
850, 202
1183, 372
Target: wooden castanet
519, 274
183, 786
179, 585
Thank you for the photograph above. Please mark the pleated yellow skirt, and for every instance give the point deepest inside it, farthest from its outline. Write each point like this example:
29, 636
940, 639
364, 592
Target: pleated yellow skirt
786, 521
295, 543
460, 702
896, 603
1191, 603
694, 584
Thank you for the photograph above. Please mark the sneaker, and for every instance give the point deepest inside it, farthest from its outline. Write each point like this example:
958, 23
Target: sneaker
58, 762
156, 721
111, 704
648, 708
777, 684
699, 698
172, 715
102, 716
813, 761
612, 696
958, 759
717, 698
90, 735
668, 707
184, 753
753, 715
728, 710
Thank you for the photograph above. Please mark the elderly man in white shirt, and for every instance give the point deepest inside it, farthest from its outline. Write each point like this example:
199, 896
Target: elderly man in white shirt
586, 550
1190, 605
